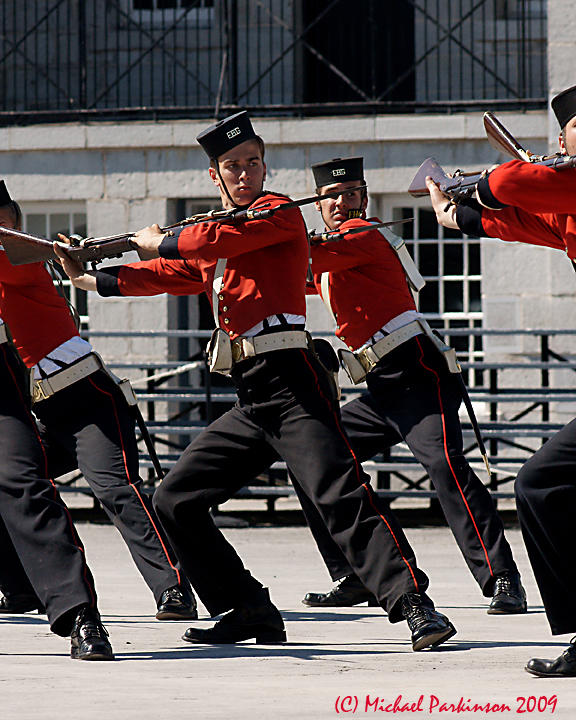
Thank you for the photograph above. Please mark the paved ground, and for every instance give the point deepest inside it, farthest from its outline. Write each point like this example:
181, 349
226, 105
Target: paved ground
352, 653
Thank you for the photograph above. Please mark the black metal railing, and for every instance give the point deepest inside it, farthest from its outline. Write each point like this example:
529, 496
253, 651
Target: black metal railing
515, 418
69, 59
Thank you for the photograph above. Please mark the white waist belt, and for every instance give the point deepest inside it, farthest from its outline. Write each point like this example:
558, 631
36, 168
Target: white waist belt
3, 334
46, 387
244, 347
360, 363
372, 354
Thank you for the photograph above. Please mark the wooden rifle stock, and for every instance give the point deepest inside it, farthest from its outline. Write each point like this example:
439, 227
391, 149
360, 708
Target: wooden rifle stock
502, 140
22, 248
461, 185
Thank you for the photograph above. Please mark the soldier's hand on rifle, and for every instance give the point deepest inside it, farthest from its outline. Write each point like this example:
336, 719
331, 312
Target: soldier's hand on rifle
444, 209
148, 241
80, 278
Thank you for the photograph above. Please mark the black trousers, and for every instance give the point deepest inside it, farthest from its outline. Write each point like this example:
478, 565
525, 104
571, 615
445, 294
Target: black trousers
90, 426
37, 534
285, 408
413, 397
546, 499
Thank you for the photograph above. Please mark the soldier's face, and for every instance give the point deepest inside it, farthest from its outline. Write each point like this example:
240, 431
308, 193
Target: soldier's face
7, 217
568, 145
334, 211
243, 171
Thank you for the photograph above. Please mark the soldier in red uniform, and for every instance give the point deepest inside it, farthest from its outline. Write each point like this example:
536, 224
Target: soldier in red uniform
521, 202
255, 273
85, 423
412, 396
40, 545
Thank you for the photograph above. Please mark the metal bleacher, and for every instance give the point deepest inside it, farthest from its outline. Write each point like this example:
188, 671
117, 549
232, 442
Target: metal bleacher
515, 418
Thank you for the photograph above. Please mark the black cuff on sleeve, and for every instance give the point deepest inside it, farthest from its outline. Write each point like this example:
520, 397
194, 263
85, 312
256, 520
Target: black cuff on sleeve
486, 197
469, 220
471, 203
107, 282
169, 246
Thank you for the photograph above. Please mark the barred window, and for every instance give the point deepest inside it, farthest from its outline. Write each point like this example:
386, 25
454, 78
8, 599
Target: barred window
47, 220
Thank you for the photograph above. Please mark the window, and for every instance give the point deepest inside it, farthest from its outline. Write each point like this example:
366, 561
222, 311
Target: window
525, 9
170, 4
49, 219
199, 11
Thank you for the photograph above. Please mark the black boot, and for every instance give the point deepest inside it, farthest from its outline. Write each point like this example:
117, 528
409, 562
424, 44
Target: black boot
177, 603
20, 603
349, 591
509, 596
260, 620
429, 628
563, 666
89, 637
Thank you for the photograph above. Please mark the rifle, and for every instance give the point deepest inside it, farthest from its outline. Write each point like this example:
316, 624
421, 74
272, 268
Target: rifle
461, 185
23, 248
335, 235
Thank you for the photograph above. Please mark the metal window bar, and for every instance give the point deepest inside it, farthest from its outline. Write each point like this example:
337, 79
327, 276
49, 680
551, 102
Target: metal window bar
113, 59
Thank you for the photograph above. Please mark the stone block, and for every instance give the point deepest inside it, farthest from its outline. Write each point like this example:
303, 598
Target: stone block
47, 137
133, 134
125, 173
179, 173
142, 213
184, 132
327, 130
107, 217
38, 176
414, 127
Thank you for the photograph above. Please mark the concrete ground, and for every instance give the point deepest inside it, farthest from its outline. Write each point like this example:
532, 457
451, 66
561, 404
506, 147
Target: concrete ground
348, 661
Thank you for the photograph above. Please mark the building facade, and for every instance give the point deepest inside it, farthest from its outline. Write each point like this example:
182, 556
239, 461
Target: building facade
102, 102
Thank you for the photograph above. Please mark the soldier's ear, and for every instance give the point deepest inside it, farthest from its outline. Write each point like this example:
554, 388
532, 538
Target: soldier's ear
264, 175
214, 176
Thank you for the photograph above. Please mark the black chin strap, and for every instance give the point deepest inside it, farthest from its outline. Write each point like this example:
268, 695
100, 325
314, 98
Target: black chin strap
357, 212
224, 185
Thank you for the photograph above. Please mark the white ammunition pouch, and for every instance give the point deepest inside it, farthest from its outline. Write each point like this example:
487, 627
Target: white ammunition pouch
220, 352
3, 334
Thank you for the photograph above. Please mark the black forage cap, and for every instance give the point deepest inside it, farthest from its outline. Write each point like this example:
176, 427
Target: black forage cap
338, 170
226, 134
5, 198
564, 105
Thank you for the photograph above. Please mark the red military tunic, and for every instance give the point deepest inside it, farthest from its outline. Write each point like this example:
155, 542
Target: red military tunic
37, 315
267, 263
367, 283
543, 212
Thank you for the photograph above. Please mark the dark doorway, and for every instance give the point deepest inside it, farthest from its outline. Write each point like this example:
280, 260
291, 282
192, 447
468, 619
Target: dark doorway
371, 42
